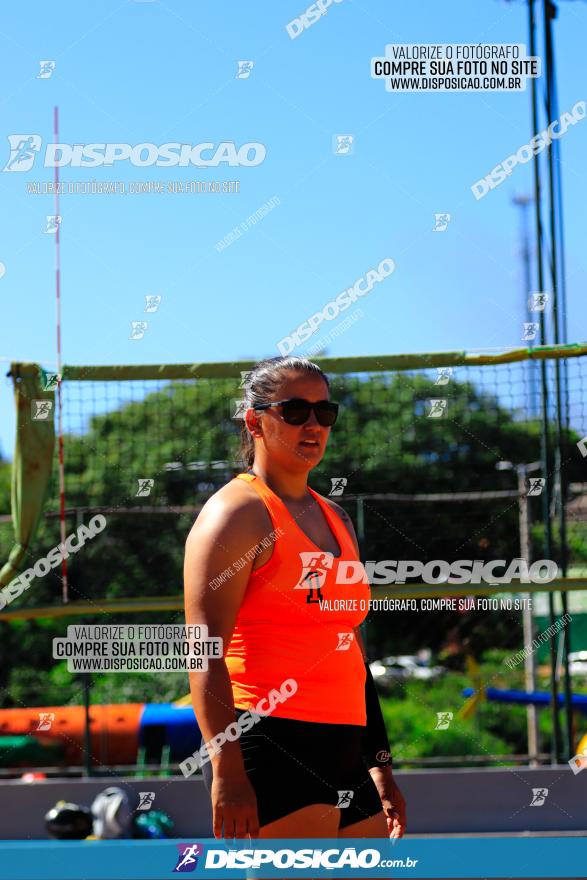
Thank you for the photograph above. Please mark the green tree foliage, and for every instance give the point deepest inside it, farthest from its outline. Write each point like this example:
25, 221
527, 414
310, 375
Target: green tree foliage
179, 436
5, 475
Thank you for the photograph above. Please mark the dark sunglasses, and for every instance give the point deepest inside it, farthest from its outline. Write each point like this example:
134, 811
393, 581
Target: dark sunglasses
296, 411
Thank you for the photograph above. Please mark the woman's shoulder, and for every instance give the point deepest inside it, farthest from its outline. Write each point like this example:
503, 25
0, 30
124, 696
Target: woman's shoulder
344, 516
236, 498
334, 506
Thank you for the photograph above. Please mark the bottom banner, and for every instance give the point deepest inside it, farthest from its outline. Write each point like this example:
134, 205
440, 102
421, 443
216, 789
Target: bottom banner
527, 857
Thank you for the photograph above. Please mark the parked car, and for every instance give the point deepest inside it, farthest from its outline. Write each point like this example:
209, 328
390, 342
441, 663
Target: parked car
405, 666
577, 663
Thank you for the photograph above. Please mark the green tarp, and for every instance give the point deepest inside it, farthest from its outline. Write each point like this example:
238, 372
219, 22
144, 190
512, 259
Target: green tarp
33, 459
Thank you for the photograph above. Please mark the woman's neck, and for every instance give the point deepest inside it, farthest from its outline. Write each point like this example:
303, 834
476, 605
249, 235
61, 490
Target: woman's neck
288, 486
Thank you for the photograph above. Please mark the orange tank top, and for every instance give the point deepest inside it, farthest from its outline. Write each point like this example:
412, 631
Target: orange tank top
296, 622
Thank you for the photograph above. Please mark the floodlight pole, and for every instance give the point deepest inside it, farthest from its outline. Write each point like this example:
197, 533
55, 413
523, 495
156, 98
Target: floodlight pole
549, 10
544, 440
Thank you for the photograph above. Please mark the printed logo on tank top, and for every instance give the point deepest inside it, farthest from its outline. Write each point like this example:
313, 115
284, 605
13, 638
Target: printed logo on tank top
315, 566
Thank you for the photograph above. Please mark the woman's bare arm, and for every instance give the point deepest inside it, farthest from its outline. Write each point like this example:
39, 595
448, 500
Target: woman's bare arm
223, 533
228, 526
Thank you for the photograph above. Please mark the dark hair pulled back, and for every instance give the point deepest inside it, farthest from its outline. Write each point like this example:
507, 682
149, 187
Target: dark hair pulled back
261, 382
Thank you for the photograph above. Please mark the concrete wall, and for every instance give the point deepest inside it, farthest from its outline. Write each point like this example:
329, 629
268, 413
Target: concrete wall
439, 801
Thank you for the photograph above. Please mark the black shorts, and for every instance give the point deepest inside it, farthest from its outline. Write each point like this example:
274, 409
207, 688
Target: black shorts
293, 764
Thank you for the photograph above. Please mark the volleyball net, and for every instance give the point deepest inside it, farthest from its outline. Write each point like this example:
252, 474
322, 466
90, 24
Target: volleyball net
439, 456
426, 457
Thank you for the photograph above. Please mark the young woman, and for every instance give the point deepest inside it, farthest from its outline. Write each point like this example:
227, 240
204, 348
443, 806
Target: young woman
312, 758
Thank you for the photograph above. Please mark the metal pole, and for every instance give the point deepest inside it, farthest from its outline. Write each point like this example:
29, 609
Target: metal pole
361, 525
361, 542
528, 621
549, 14
86, 683
64, 586
544, 440
523, 202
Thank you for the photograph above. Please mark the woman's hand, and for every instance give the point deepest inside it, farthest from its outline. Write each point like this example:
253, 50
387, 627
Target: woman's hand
234, 805
392, 800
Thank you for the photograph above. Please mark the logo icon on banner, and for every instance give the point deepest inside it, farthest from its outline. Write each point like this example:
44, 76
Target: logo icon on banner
338, 485
152, 302
188, 857
53, 223
46, 719
41, 409
315, 566
444, 719
344, 641
578, 762
343, 144
146, 799
443, 375
437, 408
536, 485
530, 330
138, 329
344, 798
47, 68
240, 408
23, 149
50, 380
244, 69
539, 795
538, 302
441, 221
145, 486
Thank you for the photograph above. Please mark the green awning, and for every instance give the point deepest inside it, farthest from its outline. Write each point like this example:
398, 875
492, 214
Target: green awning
33, 460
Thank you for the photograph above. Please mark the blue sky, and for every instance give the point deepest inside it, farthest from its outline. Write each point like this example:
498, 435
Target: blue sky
159, 72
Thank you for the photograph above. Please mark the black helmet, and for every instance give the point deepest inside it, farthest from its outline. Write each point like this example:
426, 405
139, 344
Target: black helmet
67, 821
